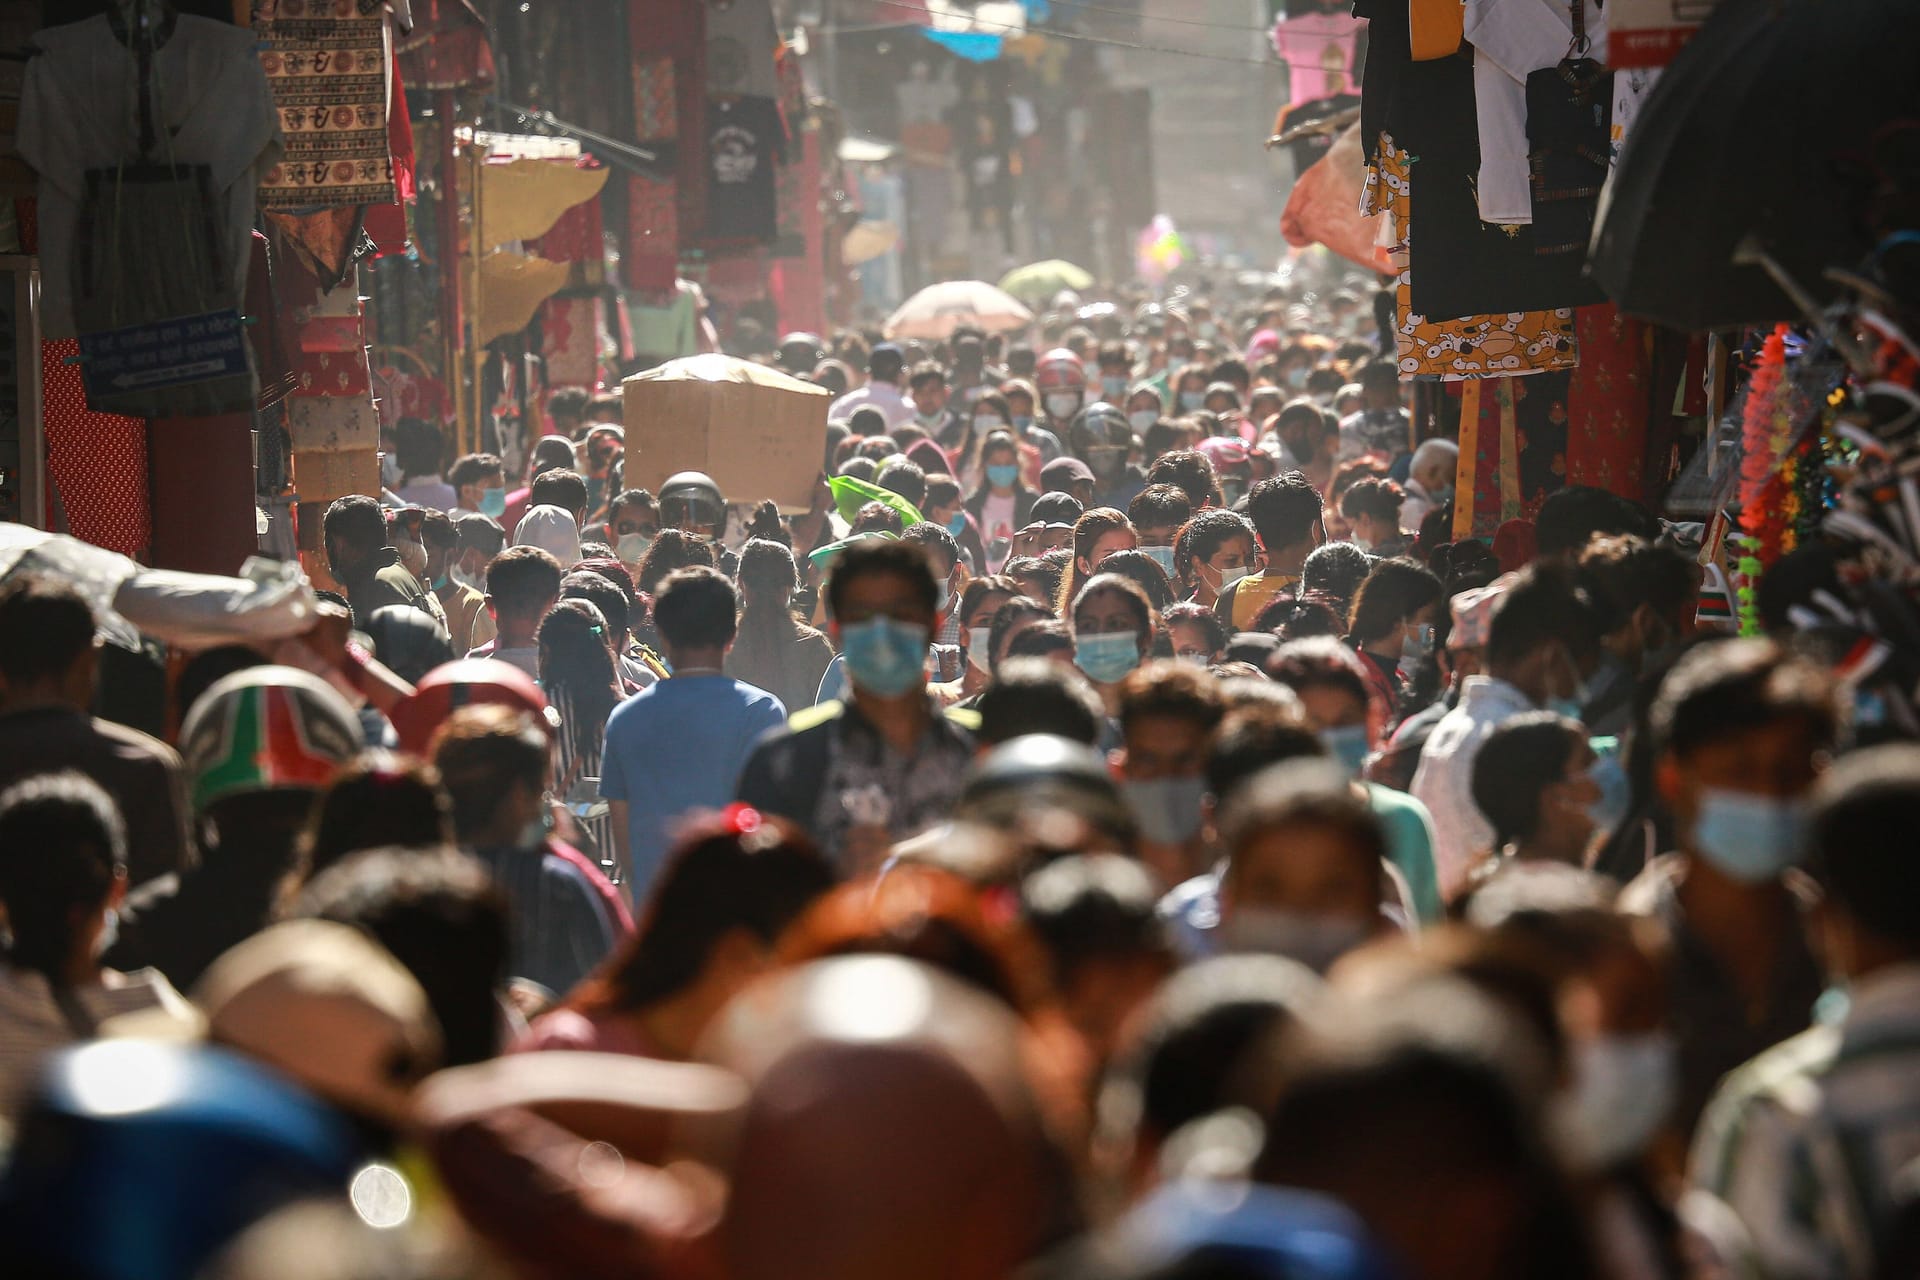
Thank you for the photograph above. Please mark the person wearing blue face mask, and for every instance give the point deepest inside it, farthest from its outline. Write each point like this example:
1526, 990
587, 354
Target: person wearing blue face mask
945, 507
1740, 731
861, 775
1001, 502
1347, 716
1168, 712
1157, 513
1113, 625
1852, 1083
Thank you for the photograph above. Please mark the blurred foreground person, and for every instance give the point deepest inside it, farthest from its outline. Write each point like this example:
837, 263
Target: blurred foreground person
1811, 1142
47, 664
260, 745
730, 889
63, 871
891, 1130
566, 918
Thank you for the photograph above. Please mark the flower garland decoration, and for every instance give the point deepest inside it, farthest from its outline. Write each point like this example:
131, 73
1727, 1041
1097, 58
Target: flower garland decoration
1768, 500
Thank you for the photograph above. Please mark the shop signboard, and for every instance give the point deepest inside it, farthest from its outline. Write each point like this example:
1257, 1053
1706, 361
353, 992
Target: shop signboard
166, 353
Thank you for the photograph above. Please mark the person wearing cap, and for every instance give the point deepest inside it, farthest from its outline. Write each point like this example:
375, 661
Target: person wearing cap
1462, 652
63, 871
48, 661
885, 365
861, 775
1071, 476
550, 453
259, 745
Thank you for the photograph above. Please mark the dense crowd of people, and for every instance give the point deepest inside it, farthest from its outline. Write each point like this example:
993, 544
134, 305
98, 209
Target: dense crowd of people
1117, 830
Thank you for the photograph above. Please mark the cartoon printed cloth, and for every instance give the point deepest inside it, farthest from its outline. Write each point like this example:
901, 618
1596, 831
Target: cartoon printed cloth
1509, 345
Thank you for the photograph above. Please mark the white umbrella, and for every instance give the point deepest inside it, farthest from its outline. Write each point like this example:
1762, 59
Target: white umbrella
937, 310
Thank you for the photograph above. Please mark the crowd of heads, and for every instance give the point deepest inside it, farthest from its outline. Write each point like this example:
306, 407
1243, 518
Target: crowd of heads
1173, 849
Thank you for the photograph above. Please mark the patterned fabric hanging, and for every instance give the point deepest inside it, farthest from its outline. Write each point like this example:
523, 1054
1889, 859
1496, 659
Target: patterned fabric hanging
327, 64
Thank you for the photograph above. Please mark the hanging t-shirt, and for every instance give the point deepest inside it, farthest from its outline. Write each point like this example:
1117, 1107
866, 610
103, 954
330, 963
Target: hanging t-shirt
1511, 40
745, 139
1318, 50
741, 40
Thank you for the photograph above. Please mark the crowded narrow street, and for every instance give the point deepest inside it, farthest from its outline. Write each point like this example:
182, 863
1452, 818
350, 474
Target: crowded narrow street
936, 640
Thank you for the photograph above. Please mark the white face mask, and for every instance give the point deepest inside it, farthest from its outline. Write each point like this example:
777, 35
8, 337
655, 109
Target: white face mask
1141, 419
985, 422
472, 581
389, 471
1313, 939
979, 652
632, 547
1623, 1087
1062, 406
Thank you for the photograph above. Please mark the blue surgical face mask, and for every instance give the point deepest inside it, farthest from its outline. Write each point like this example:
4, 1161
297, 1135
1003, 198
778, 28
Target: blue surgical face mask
1616, 793
493, 502
1162, 556
957, 523
1349, 745
1113, 389
1002, 475
1747, 837
885, 657
1167, 809
1192, 400
1106, 659
1022, 420
1416, 646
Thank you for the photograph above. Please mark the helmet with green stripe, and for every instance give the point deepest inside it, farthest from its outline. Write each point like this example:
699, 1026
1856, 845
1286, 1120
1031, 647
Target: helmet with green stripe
266, 729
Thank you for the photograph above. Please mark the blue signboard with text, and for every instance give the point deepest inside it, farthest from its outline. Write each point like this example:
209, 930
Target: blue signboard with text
166, 353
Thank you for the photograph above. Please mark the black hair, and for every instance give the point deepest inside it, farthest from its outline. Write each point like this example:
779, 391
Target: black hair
672, 549
1570, 517
1336, 568
1041, 640
1320, 662
1299, 793
696, 608
565, 489
481, 532
522, 579
905, 560
1187, 470
631, 498
577, 670
924, 372
1036, 695
935, 539
1160, 506
1253, 737
1374, 496
1089, 908
356, 521
474, 468
482, 751
1145, 572
1862, 839
1171, 690
1393, 592
877, 517
62, 843
1544, 607
1284, 510
722, 875
905, 477
1730, 688
1519, 760
1621, 573
1201, 538
440, 914
45, 627
1197, 615
377, 799
1048, 569
417, 444
604, 594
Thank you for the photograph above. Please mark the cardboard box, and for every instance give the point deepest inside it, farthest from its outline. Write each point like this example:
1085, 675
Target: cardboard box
759, 433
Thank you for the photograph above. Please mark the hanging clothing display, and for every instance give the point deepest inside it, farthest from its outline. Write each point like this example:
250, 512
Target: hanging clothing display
1513, 450
1610, 403
212, 133
745, 140
1513, 39
1454, 348
1569, 136
1318, 49
741, 40
327, 66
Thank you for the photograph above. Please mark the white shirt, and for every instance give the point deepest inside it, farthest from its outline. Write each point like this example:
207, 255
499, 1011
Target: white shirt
1444, 780
1511, 39
884, 396
78, 111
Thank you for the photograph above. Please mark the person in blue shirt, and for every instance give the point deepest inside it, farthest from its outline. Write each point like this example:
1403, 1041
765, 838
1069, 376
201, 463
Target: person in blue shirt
678, 746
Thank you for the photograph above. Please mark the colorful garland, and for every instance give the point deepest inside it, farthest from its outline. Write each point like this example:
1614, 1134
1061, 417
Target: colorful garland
1769, 501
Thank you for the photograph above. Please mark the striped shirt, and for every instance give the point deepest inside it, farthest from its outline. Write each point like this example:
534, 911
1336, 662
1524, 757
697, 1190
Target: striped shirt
1805, 1142
33, 1024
